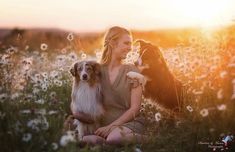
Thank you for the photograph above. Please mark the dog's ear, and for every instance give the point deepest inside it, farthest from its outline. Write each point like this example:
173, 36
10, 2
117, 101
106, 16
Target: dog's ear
97, 67
143, 44
73, 69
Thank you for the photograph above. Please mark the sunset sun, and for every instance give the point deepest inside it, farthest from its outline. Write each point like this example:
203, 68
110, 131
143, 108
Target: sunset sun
203, 12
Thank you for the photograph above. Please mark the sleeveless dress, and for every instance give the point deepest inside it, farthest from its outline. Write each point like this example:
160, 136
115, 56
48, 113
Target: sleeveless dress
117, 97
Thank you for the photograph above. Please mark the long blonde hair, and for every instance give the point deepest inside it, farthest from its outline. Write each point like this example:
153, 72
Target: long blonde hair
110, 39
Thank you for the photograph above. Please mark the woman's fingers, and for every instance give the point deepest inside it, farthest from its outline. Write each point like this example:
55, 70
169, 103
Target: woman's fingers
104, 131
106, 134
101, 132
97, 132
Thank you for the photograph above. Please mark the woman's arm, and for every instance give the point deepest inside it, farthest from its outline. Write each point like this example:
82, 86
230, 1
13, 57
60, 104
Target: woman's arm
83, 117
133, 111
136, 96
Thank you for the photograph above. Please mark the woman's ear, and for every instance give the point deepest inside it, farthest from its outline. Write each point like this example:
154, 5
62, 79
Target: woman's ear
114, 43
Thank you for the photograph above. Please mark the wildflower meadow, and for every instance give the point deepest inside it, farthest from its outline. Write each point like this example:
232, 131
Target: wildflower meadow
36, 88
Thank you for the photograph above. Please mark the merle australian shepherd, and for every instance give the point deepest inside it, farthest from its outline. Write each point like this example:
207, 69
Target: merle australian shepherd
86, 96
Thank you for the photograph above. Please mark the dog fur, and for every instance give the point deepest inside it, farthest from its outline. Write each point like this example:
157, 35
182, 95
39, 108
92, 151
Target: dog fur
86, 96
163, 87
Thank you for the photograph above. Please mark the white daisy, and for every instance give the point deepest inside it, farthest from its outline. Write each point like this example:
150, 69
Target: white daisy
83, 56
25, 111
63, 51
45, 124
54, 146
220, 94
27, 47
58, 82
11, 50
27, 61
53, 94
36, 90
27, 137
189, 108
70, 36
69, 137
52, 112
72, 56
44, 46
233, 96
15, 95
44, 74
40, 101
233, 81
40, 111
98, 54
211, 129
138, 150
54, 74
197, 92
33, 124
2, 115
3, 97
158, 116
221, 107
223, 74
44, 87
204, 112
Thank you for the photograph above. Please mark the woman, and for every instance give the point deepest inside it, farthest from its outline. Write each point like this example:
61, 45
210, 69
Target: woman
122, 95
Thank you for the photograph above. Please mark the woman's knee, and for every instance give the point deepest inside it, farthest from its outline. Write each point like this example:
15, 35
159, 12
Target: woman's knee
113, 140
93, 139
117, 136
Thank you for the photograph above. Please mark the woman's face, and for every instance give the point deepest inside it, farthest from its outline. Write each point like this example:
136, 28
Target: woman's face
123, 46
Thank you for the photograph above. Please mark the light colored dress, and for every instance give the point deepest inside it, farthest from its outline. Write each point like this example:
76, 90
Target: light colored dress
117, 97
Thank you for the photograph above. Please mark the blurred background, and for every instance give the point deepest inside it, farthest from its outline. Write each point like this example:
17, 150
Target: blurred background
163, 22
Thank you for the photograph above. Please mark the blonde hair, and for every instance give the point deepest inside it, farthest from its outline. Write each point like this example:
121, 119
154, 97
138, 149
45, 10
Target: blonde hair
110, 39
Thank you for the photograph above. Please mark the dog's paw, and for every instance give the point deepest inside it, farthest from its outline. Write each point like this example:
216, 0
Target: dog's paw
69, 123
134, 75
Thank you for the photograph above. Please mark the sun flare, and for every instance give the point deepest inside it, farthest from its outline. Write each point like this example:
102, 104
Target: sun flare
203, 12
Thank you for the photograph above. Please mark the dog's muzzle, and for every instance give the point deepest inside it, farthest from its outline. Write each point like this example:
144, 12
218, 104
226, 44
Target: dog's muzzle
138, 62
84, 77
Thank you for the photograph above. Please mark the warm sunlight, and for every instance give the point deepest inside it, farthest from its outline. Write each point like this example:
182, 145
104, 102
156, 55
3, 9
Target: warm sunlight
83, 15
117, 75
202, 12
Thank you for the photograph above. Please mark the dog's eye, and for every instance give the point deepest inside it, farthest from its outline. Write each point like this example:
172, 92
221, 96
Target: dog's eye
80, 69
89, 69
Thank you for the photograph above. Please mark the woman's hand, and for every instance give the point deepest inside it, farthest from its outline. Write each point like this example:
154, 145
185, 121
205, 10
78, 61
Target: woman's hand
104, 131
83, 117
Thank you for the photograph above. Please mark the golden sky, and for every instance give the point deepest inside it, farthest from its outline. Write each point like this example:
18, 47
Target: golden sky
93, 15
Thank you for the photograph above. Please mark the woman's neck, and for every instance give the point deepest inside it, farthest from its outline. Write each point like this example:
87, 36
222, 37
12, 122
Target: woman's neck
114, 64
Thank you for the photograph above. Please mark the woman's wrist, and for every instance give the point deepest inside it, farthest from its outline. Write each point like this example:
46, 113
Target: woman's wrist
114, 124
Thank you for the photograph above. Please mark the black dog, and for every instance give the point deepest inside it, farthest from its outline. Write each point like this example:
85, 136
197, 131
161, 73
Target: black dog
163, 87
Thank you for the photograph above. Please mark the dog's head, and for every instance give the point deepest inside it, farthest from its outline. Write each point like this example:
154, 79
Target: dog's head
87, 71
150, 56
